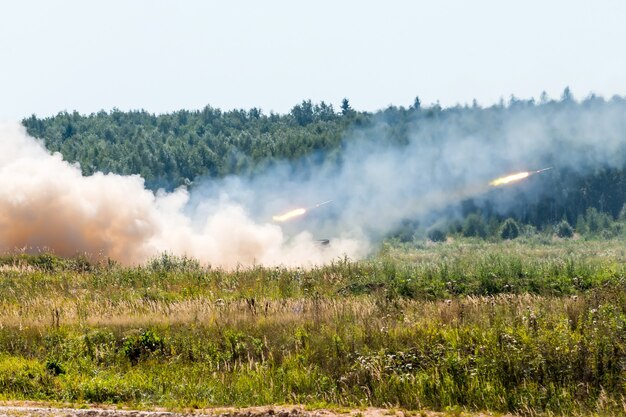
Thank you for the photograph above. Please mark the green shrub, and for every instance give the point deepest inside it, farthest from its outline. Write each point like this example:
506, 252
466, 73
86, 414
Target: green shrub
143, 345
405, 232
622, 214
455, 226
474, 226
564, 230
597, 221
436, 235
509, 229
55, 367
23, 378
167, 263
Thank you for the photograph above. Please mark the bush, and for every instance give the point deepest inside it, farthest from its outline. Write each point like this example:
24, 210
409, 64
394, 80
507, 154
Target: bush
455, 226
143, 345
527, 230
597, 221
24, 378
55, 367
474, 226
436, 235
167, 263
564, 230
581, 225
405, 231
509, 229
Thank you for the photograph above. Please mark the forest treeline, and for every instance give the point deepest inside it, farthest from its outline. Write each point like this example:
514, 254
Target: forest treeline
174, 149
170, 150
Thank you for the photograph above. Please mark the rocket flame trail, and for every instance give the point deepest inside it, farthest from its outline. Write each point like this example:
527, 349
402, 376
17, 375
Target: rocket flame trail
516, 177
509, 178
297, 212
289, 215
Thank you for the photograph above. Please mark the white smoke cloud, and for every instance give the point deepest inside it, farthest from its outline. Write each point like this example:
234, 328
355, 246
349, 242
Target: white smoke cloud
47, 204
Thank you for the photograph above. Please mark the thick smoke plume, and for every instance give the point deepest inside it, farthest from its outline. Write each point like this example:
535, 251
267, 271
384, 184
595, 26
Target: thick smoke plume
375, 182
46, 204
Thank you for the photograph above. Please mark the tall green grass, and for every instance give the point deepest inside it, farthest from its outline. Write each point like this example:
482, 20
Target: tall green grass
520, 327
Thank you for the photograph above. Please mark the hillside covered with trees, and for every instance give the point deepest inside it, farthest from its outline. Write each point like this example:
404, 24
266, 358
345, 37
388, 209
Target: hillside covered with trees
170, 150
175, 149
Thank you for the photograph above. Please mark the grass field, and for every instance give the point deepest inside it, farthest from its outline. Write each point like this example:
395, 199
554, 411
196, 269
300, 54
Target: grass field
526, 327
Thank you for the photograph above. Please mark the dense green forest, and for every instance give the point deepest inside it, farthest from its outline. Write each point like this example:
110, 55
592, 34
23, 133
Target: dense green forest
168, 150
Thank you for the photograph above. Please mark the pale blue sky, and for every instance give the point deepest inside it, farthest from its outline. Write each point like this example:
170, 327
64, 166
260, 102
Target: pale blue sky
166, 55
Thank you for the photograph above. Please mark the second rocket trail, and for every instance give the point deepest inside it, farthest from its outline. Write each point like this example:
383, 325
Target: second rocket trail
321, 204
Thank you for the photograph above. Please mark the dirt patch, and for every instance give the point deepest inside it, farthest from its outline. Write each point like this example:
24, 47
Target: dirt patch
45, 410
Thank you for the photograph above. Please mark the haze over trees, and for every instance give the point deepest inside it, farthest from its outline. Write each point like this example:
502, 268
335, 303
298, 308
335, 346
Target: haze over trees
175, 149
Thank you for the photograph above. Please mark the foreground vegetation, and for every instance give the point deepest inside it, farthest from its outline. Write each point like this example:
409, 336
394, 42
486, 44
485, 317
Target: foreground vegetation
525, 327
